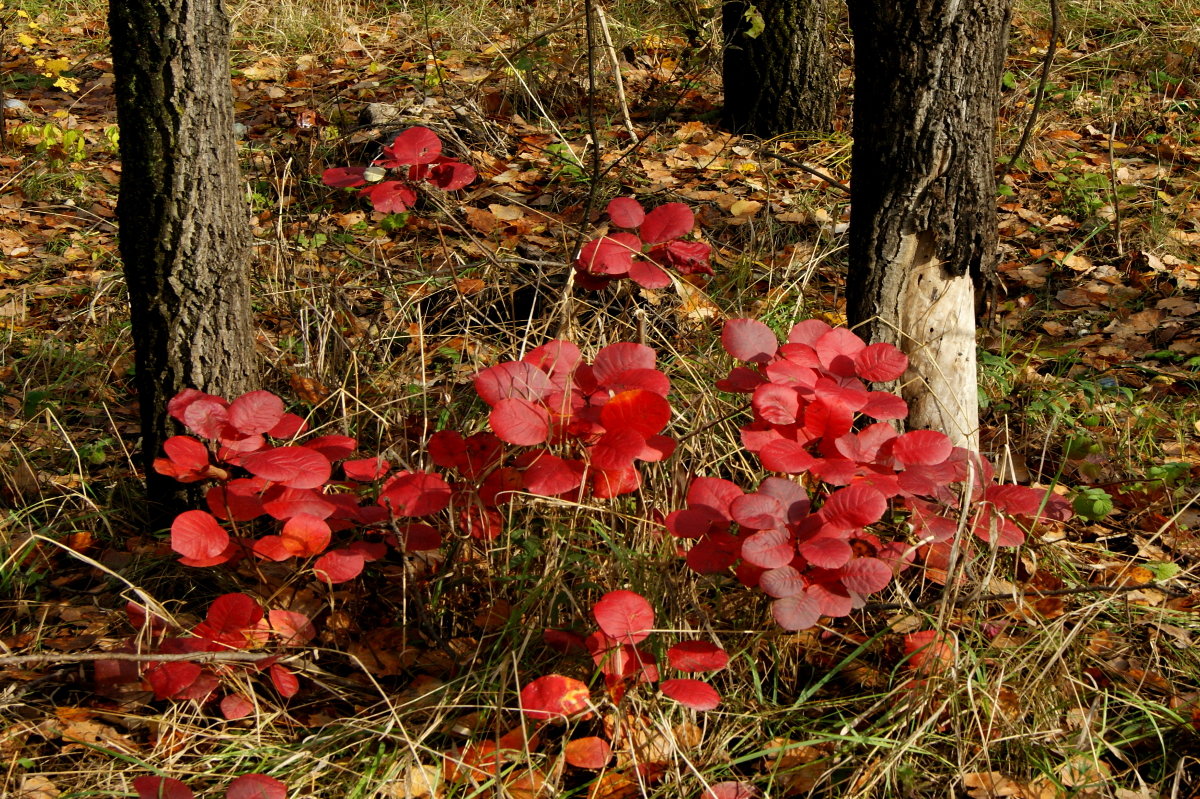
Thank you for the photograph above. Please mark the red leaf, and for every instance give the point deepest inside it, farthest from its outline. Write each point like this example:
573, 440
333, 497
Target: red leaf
520, 422
512, 379
451, 175
715, 493
609, 255
692, 693
730, 790
782, 582
853, 507
285, 503
649, 275
616, 450
207, 416
334, 447
284, 681
297, 467
554, 696
697, 656
922, 448
590, 753
390, 196
551, 476
667, 222
624, 616
415, 494
290, 425
256, 786
230, 615
171, 679
769, 549
749, 340
826, 551
255, 412
344, 176
758, 512
626, 212
186, 461
776, 404
866, 575
783, 455
837, 350
364, 470
294, 629
614, 359
339, 565
880, 363
236, 706
196, 535
417, 145
688, 257
161, 788
305, 535
796, 612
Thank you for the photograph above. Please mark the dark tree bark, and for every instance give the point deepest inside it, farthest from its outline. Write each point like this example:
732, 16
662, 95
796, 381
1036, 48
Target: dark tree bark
923, 199
184, 227
780, 81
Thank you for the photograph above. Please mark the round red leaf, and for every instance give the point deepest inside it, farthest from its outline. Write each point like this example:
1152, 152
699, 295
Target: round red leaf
339, 565
866, 575
776, 404
667, 222
284, 681
758, 512
196, 535
769, 549
305, 535
415, 494
626, 212
880, 363
796, 612
614, 359
854, 506
520, 422
417, 145
749, 340
781, 582
293, 629
255, 412
697, 656
553, 697
590, 753
922, 448
784, 455
296, 467
236, 706
512, 379
692, 693
256, 786
624, 616
161, 788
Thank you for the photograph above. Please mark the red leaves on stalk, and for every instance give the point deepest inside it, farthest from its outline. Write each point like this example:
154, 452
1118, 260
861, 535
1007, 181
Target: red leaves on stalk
295, 467
640, 257
417, 153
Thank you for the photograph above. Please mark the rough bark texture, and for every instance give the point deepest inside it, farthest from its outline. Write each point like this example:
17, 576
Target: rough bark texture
184, 233
781, 81
923, 218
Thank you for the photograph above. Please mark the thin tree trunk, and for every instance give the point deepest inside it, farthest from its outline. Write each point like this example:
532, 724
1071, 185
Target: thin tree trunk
184, 232
923, 194
781, 80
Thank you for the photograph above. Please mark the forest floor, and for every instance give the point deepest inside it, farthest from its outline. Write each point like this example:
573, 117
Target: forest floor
1070, 667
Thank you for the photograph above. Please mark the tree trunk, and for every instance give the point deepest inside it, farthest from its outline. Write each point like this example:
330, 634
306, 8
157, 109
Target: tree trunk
184, 226
923, 201
780, 81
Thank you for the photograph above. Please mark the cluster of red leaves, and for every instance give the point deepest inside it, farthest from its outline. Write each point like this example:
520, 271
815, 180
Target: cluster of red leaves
625, 620
641, 255
806, 398
601, 419
292, 483
417, 152
247, 786
234, 622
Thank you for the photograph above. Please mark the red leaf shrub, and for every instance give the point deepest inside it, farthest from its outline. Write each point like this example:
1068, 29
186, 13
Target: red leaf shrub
642, 256
811, 414
417, 154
